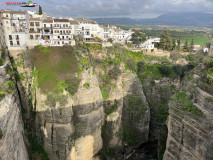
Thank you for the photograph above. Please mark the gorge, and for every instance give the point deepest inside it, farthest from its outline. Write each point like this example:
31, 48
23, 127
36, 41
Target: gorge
87, 102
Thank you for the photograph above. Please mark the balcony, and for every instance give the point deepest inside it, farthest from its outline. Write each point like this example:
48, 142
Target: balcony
34, 31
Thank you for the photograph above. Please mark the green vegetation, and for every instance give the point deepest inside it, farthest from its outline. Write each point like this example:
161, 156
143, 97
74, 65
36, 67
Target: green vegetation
36, 148
104, 92
54, 64
128, 137
186, 104
40, 10
138, 37
166, 40
86, 85
206, 82
1, 62
112, 108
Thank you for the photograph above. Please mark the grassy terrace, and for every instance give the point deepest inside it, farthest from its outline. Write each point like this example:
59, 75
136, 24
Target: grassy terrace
54, 64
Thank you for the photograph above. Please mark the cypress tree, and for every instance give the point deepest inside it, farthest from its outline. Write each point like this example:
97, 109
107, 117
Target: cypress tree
191, 46
40, 10
186, 46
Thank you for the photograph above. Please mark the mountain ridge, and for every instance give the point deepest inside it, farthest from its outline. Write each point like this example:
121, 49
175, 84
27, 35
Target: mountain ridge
179, 19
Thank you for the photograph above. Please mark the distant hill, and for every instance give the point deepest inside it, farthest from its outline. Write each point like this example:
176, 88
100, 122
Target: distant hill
180, 19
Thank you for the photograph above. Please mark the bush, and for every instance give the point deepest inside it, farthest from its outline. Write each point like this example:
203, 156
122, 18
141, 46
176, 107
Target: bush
131, 64
104, 92
73, 84
86, 85
129, 44
178, 69
114, 72
165, 70
2, 95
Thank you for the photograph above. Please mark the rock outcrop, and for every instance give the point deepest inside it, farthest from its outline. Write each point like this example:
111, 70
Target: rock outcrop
12, 145
190, 132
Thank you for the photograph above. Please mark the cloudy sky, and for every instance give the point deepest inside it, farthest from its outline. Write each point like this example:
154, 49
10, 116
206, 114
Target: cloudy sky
116, 8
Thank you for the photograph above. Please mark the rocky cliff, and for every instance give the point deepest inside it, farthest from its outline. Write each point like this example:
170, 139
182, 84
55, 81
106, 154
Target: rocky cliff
89, 118
12, 143
87, 102
190, 119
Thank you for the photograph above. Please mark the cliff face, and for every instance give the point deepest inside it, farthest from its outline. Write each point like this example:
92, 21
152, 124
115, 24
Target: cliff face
72, 131
190, 122
12, 146
91, 121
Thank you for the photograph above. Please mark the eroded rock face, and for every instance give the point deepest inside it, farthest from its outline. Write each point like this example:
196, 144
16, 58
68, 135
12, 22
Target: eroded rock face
12, 146
74, 130
190, 135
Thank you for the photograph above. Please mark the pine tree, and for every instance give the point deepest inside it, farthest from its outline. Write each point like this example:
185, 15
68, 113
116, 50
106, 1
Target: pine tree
186, 46
191, 46
166, 40
40, 10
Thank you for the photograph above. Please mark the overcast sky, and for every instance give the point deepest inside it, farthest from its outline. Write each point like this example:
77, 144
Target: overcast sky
116, 8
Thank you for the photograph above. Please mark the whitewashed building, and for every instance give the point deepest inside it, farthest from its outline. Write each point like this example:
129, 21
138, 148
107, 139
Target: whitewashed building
62, 32
14, 27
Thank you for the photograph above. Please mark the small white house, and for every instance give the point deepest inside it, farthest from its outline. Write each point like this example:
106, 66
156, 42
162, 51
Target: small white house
206, 50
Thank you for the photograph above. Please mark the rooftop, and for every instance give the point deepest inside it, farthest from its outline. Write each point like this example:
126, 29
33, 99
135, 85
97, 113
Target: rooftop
61, 20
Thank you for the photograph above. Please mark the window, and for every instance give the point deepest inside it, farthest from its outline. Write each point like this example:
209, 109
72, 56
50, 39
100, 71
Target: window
7, 22
31, 23
66, 25
45, 25
6, 15
67, 37
10, 37
69, 42
57, 25
18, 43
37, 23
11, 43
63, 25
17, 37
31, 36
62, 42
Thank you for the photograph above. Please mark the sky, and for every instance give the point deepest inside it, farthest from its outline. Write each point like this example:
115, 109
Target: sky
115, 8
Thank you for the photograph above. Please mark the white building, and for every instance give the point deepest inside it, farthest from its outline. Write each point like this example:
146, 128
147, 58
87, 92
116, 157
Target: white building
88, 28
62, 32
149, 44
14, 27
34, 32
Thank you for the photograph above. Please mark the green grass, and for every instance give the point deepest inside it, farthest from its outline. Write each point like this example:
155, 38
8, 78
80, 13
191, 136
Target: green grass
54, 64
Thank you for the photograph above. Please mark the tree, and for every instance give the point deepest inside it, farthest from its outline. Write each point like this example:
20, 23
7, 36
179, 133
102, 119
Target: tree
166, 40
40, 10
191, 48
186, 46
173, 44
138, 37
